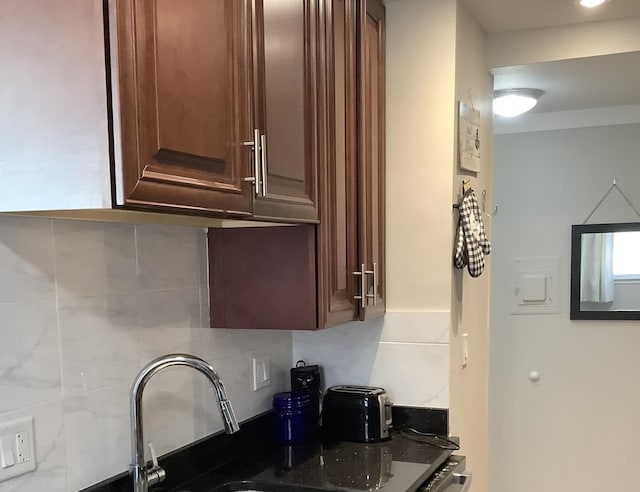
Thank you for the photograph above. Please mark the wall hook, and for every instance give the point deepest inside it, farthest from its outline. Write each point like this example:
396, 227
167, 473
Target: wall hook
466, 185
484, 206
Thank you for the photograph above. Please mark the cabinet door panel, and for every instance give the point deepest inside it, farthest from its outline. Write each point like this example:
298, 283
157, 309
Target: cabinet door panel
184, 103
263, 277
184, 124
338, 238
372, 149
287, 71
284, 77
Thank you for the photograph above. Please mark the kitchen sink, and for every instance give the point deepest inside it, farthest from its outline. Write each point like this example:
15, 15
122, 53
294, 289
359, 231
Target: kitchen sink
260, 486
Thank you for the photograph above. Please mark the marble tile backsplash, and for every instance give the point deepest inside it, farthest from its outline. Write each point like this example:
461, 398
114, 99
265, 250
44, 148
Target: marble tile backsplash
407, 353
83, 306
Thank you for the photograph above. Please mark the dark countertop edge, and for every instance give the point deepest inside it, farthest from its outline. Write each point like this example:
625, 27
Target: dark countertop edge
216, 450
429, 472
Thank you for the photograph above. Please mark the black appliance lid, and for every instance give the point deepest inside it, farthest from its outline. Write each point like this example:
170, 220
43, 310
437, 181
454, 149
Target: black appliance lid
360, 390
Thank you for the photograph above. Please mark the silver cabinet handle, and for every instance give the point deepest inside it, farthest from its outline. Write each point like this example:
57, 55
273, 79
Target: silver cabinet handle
255, 147
374, 272
263, 165
363, 286
375, 283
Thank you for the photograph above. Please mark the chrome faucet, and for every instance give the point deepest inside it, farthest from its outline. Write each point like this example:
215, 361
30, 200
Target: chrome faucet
142, 477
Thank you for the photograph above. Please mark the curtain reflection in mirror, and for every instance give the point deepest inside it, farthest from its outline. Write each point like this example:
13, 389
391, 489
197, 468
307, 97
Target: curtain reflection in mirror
596, 268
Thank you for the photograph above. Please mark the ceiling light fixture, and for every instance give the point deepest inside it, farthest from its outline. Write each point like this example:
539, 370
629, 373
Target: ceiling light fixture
514, 102
591, 3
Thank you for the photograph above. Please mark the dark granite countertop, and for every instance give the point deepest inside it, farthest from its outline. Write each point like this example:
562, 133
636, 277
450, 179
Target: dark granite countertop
398, 465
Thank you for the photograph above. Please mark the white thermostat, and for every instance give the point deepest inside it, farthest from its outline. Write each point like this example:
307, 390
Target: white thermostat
536, 288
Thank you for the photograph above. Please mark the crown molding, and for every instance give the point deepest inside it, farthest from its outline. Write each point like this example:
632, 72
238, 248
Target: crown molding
562, 120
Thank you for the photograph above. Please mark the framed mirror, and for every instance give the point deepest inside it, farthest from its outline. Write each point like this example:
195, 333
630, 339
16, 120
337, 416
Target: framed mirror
605, 271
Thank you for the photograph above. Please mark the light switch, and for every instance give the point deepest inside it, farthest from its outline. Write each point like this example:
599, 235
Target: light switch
6, 452
533, 287
261, 366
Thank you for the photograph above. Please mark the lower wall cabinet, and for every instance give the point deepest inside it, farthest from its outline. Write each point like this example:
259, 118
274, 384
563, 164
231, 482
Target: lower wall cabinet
263, 277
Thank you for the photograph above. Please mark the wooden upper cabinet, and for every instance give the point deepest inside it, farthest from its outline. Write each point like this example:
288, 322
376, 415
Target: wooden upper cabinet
351, 241
205, 107
273, 269
338, 229
184, 104
287, 80
371, 153
219, 106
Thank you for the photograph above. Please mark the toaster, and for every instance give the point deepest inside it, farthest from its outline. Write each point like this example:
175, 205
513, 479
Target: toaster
356, 413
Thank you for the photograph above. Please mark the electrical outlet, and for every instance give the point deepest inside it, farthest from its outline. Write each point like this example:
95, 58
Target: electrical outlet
22, 447
261, 371
16, 448
465, 350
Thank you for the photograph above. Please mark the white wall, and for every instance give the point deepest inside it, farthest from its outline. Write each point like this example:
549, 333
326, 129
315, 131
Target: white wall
83, 306
470, 296
420, 152
579, 423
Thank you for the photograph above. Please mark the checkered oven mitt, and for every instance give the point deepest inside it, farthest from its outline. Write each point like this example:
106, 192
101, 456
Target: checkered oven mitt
471, 241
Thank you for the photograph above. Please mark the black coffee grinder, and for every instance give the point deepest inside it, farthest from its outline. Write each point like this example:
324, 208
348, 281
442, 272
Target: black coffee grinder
307, 379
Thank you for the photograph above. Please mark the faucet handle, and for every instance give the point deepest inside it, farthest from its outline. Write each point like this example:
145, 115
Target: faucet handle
154, 456
155, 474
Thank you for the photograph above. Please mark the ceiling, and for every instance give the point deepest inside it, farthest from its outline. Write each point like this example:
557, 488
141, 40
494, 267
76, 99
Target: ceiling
581, 83
585, 83
514, 15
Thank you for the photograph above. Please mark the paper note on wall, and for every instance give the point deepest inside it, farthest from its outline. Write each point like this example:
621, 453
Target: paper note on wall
469, 137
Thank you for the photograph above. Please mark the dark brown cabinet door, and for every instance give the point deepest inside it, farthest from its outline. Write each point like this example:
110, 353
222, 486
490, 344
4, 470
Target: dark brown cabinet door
371, 154
287, 74
337, 232
263, 277
351, 241
184, 104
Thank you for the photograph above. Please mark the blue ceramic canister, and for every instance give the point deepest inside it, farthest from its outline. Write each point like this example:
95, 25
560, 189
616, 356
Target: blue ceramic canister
292, 412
